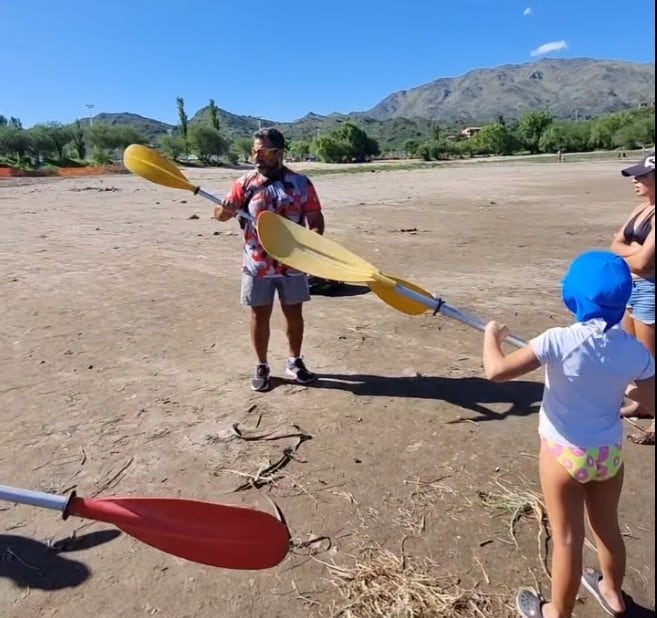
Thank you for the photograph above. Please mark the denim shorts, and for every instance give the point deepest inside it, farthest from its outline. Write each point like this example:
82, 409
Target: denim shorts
642, 300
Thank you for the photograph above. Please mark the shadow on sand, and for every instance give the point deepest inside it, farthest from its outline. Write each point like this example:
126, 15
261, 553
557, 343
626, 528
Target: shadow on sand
32, 564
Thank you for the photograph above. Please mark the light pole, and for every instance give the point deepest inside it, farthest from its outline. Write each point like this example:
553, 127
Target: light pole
90, 106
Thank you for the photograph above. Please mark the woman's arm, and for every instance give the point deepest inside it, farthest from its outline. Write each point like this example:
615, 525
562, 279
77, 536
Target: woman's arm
500, 367
642, 261
619, 244
621, 247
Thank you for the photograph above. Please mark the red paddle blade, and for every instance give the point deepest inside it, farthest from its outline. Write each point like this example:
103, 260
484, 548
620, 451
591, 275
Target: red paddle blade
218, 535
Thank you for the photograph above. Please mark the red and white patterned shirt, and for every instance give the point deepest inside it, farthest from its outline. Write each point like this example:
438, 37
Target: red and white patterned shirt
291, 196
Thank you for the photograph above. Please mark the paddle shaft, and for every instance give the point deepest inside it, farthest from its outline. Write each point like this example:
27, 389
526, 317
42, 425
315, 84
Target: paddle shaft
243, 214
34, 498
453, 313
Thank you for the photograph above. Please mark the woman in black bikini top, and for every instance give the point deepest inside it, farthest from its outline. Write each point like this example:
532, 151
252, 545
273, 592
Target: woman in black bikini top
639, 233
635, 242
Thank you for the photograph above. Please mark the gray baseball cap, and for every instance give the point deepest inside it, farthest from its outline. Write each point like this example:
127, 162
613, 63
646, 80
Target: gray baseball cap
641, 169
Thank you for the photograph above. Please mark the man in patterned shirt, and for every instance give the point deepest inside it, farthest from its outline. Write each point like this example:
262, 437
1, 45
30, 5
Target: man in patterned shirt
274, 187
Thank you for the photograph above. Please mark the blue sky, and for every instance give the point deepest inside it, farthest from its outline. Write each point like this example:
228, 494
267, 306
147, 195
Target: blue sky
281, 60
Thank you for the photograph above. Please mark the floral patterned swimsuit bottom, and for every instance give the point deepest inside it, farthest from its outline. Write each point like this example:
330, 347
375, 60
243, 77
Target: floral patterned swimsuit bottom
590, 464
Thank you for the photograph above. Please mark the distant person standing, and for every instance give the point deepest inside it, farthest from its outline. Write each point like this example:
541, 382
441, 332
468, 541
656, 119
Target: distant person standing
273, 187
635, 242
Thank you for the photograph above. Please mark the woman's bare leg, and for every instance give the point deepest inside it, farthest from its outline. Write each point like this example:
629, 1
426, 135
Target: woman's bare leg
645, 333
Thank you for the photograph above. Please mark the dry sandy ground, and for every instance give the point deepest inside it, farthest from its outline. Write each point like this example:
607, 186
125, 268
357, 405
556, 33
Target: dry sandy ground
125, 360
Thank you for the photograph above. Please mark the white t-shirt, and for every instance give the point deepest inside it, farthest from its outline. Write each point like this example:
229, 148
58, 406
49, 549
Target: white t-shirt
586, 374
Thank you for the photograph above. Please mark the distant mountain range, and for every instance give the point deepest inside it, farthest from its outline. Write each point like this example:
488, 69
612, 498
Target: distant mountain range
565, 87
569, 88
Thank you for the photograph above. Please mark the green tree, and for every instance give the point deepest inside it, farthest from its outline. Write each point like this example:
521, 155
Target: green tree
637, 134
172, 145
106, 139
330, 149
494, 139
532, 126
360, 145
464, 147
208, 144
183, 123
441, 149
603, 130
424, 151
52, 138
214, 115
182, 117
243, 147
299, 149
15, 142
411, 147
566, 136
79, 143
126, 135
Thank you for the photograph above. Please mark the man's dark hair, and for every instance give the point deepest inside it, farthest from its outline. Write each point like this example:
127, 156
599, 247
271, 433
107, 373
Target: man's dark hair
273, 135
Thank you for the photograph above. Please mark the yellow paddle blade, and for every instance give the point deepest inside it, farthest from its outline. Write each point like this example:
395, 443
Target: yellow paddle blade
152, 166
384, 288
298, 247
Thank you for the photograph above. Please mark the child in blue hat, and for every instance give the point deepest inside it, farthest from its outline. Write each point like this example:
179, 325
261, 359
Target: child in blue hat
588, 366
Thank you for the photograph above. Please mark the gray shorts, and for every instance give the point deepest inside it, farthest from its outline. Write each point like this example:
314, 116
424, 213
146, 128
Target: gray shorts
260, 291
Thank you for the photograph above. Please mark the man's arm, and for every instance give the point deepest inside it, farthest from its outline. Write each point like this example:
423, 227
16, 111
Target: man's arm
312, 209
231, 204
315, 221
226, 211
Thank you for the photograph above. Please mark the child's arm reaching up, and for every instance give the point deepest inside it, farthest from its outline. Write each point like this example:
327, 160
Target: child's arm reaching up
499, 367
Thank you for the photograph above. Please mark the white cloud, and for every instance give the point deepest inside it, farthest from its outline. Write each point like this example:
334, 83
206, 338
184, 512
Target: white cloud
546, 48
527, 11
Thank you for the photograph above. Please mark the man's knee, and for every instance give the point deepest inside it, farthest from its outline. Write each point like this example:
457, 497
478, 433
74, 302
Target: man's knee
294, 312
261, 314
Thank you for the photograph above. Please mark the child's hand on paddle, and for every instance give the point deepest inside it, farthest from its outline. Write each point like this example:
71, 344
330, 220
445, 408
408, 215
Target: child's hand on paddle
499, 331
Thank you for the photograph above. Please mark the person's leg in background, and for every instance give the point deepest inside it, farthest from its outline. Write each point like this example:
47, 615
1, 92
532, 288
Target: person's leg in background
641, 324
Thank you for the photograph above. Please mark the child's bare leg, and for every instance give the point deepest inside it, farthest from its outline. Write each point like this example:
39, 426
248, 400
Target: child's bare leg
602, 507
564, 502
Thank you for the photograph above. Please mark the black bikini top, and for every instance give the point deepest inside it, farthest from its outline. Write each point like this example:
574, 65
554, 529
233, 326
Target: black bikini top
640, 233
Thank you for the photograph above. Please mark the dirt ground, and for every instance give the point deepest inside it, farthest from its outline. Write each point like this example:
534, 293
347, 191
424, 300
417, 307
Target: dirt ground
125, 361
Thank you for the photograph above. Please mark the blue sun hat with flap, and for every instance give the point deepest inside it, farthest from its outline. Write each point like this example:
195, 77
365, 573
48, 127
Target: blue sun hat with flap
598, 284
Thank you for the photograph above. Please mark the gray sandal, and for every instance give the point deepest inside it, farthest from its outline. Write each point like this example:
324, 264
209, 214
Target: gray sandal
591, 580
529, 603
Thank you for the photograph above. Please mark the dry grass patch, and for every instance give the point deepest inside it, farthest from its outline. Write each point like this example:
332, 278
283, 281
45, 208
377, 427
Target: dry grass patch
520, 504
383, 584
